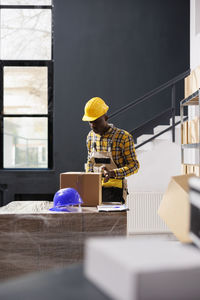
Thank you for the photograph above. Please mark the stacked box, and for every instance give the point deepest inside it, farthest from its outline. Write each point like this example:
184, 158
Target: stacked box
193, 131
184, 136
88, 186
183, 169
190, 169
192, 82
197, 170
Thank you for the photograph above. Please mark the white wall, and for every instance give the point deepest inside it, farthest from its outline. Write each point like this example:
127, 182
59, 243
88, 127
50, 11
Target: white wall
159, 160
194, 34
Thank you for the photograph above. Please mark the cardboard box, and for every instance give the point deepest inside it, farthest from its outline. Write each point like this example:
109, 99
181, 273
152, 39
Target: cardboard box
183, 169
193, 131
197, 170
184, 136
175, 209
190, 169
87, 184
192, 82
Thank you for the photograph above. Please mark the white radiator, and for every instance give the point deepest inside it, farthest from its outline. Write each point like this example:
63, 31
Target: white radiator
142, 216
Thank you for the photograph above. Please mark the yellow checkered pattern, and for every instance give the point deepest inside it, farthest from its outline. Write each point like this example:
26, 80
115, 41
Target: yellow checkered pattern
123, 151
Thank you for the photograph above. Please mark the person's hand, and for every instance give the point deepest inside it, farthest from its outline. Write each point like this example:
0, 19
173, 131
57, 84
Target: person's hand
107, 174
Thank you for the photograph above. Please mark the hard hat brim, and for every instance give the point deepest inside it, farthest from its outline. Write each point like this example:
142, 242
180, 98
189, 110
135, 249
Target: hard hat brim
90, 119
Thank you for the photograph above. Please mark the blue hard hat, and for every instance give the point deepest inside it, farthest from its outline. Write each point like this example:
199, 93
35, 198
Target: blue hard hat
65, 198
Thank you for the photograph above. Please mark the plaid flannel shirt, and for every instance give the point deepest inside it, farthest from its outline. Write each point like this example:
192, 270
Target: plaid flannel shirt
123, 151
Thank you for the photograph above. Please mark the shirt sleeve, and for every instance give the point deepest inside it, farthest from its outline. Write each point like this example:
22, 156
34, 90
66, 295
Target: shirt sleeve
131, 165
89, 164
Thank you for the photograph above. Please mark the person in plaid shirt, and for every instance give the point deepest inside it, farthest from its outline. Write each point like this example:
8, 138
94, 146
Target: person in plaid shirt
110, 151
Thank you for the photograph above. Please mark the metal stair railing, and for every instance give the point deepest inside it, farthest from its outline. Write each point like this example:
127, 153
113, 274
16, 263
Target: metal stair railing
150, 123
171, 83
160, 133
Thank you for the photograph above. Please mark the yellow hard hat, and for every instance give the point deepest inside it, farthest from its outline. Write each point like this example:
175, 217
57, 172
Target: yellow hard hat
94, 109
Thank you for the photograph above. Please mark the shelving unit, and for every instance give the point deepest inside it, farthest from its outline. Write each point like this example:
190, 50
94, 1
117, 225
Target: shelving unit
190, 135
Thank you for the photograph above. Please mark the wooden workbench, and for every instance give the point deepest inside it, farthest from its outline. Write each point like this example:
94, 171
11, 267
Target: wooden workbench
32, 238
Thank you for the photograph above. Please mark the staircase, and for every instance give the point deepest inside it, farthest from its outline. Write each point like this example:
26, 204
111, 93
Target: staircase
165, 134
159, 160
157, 144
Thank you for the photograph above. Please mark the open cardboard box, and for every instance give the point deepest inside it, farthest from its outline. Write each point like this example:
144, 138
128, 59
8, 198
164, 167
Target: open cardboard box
88, 186
175, 208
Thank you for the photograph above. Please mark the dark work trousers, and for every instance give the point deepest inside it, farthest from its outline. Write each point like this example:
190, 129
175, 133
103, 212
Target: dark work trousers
112, 194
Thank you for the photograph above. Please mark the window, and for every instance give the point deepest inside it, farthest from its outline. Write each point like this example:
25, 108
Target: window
26, 84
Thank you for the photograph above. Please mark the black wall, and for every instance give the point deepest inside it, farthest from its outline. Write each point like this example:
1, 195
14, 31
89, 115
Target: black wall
118, 50
115, 49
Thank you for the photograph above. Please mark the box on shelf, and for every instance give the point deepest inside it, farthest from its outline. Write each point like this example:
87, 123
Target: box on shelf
193, 131
184, 135
87, 184
174, 208
197, 170
190, 169
183, 169
192, 82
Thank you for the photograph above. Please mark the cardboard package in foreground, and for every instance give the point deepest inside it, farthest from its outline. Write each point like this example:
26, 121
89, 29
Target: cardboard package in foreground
175, 209
88, 186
